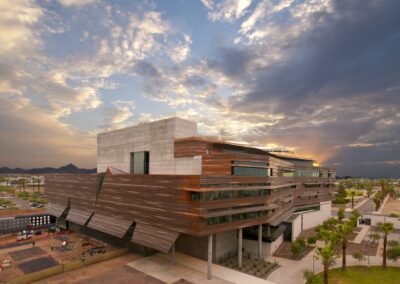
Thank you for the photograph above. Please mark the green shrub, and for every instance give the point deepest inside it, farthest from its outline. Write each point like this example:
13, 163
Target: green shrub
393, 253
6, 202
341, 200
7, 189
296, 248
23, 194
37, 193
309, 276
393, 243
311, 240
395, 215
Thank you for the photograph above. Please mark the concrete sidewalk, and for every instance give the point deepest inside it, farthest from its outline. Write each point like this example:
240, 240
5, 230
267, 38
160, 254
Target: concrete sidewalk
291, 271
361, 235
192, 269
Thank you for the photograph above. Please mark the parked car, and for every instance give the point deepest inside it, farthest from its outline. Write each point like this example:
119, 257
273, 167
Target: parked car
24, 237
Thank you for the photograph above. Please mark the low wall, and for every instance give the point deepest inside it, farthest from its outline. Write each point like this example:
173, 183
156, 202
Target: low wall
60, 268
224, 245
308, 220
382, 218
267, 248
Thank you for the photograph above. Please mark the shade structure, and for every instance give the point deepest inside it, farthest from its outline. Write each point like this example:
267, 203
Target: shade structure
78, 216
157, 238
110, 225
56, 210
275, 222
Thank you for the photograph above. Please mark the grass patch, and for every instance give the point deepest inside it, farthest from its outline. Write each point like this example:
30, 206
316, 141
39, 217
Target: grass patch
38, 200
6, 202
362, 274
24, 195
7, 189
357, 192
38, 194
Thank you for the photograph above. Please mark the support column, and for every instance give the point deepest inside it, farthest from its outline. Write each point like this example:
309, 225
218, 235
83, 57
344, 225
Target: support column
173, 258
210, 244
268, 230
260, 242
240, 242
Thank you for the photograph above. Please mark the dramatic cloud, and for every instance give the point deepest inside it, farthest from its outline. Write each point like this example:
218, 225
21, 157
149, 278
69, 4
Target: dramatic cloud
318, 77
227, 10
69, 3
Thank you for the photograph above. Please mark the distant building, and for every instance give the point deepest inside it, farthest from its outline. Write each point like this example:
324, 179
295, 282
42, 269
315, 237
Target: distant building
161, 186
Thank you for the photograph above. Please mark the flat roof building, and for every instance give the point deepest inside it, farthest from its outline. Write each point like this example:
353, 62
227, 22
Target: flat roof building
162, 186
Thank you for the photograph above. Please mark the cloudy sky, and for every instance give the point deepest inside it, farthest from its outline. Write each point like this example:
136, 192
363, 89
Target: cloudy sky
320, 77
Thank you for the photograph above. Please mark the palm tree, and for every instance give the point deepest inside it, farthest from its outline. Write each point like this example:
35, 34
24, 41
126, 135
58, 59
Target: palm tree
374, 237
354, 216
33, 181
39, 180
343, 231
352, 194
386, 229
327, 256
369, 191
341, 215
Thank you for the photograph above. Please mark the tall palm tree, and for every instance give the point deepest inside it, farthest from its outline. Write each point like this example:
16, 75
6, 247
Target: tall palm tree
352, 194
33, 182
341, 214
386, 229
327, 256
343, 231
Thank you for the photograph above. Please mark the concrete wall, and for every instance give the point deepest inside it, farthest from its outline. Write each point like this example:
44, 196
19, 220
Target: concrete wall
382, 218
296, 227
311, 219
193, 246
267, 248
224, 244
114, 147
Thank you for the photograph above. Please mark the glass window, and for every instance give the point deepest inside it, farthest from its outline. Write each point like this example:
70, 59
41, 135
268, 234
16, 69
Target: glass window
261, 164
140, 163
248, 171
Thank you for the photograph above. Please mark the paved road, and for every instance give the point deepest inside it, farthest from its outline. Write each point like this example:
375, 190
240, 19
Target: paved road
366, 208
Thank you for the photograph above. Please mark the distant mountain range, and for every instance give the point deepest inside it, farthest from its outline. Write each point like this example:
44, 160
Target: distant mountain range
70, 168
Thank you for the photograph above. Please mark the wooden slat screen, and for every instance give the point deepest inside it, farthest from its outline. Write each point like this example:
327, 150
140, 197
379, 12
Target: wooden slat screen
154, 237
56, 209
78, 216
110, 225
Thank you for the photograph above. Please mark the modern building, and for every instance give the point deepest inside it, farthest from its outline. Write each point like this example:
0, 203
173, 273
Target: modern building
161, 186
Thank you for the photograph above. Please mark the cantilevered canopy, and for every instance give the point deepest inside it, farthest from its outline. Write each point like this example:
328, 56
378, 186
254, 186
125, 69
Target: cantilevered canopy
78, 216
110, 225
154, 237
281, 217
56, 210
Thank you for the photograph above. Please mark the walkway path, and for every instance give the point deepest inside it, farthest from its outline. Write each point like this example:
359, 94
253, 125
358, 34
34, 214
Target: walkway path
382, 205
160, 266
291, 272
366, 206
361, 235
192, 269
